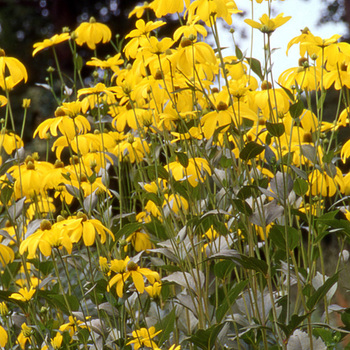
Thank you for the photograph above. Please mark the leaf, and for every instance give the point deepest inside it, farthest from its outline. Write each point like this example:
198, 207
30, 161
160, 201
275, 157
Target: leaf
300, 187
16, 209
205, 338
255, 65
320, 101
299, 172
322, 291
239, 53
282, 185
275, 129
242, 206
223, 268
155, 172
127, 230
252, 263
182, 158
294, 322
296, 109
166, 325
233, 294
251, 150
288, 92
309, 152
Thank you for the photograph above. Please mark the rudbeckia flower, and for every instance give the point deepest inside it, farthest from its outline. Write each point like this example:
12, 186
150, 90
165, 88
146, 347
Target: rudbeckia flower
323, 184
3, 337
6, 254
139, 10
268, 25
25, 336
143, 337
140, 241
45, 238
195, 171
154, 290
72, 325
191, 28
92, 33
127, 268
12, 67
80, 226
165, 7
23, 294
56, 39
9, 141
112, 62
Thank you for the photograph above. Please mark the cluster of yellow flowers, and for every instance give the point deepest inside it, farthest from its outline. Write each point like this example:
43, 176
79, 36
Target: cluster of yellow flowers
174, 98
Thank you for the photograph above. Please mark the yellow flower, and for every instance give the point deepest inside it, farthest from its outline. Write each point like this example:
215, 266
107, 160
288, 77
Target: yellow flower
127, 268
72, 326
3, 337
195, 171
56, 39
87, 228
268, 25
45, 238
140, 241
325, 185
154, 290
69, 127
24, 336
23, 294
191, 28
55, 342
11, 67
205, 9
139, 10
3, 101
164, 7
6, 254
143, 28
9, 141
111, 62
4, 311
92, 33
143, 337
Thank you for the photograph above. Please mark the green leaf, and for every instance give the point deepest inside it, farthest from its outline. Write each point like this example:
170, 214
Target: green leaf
205, 338
296, 109
155, 172
242, 206
276, 235
252, 263
226, 304
251, 150
293, 237
223, 268
299, 172
255, 65
288, 92
79, 63
300, 187
182, 158
166, 325
320, 101
293, 324
322, 291
127, 230
275, 129
239, 53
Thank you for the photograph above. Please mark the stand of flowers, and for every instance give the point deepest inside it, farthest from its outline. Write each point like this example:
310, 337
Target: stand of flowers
187, 196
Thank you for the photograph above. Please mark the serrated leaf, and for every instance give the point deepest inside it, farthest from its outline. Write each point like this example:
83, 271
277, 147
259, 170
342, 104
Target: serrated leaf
296, 109
231, 297
251, 150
